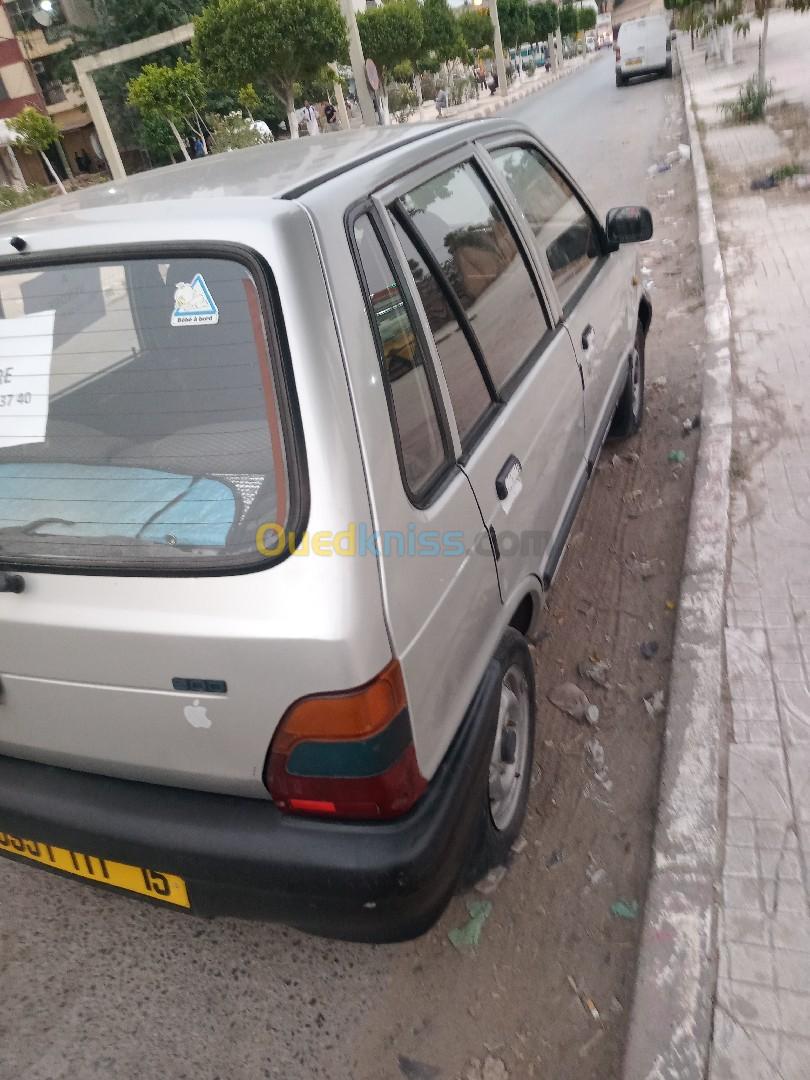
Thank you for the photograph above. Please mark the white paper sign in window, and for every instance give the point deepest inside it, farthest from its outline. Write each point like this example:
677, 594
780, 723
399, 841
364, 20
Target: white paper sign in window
26, 351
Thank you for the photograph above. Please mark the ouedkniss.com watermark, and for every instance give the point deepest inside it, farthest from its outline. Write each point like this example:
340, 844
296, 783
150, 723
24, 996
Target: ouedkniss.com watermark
358, 539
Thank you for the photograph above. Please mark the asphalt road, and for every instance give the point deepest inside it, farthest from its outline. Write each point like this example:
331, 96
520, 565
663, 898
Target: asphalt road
94, 985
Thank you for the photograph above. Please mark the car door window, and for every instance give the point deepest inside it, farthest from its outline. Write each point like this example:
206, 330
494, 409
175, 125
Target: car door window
565, 231
465, 383
467, 234
407, 377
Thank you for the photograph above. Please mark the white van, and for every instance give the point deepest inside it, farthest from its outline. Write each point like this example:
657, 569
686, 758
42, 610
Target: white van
643, 46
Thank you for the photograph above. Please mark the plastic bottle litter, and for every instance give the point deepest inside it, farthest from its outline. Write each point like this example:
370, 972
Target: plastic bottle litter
677, 456
691, 424
570, 699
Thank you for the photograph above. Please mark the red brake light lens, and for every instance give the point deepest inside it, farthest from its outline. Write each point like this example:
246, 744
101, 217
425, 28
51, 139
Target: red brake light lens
347, 755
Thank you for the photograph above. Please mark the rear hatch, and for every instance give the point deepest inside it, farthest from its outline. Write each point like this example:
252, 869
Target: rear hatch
144, 438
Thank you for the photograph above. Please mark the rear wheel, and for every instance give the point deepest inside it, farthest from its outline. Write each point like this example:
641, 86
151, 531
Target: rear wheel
630, 409
668, 69
619, 79
506, 795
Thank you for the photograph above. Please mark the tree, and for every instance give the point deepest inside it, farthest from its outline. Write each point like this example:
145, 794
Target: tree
389, 35
117, 22
441, 31
569, 23
516, 26
272, 44
545, 20
174, 93
36, 132
762, 8
234, 132
586, 18
476, 28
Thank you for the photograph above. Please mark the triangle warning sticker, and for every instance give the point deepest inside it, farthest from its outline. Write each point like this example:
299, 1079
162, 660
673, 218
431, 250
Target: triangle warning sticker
193, 304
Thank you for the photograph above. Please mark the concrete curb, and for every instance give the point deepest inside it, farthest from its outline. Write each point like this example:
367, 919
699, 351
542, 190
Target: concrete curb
671, 1021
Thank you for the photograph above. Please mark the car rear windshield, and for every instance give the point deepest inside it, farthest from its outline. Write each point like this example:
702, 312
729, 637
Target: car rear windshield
139, 416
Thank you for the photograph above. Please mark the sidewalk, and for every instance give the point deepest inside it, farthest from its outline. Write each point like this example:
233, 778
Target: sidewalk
762, 1002
488, 105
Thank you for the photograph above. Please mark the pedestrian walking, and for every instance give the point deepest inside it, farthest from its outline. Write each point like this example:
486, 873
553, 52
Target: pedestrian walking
311, 119
441, 101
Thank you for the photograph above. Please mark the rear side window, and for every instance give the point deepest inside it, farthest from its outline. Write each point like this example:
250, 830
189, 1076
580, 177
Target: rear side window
465, 231
465, 383
563, 228
140, 425
407, 380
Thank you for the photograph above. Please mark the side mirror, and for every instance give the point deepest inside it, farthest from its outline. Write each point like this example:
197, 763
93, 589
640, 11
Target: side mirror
628, 225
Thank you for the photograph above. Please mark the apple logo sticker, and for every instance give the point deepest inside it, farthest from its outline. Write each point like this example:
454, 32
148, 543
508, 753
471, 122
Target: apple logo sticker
197, 715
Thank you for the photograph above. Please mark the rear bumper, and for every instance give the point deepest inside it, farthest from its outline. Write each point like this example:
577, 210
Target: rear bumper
385, 881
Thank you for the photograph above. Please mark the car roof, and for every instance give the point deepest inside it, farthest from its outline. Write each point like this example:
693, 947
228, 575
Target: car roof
280, 170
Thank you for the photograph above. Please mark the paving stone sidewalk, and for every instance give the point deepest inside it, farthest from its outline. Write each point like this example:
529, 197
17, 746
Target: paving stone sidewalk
762, 1004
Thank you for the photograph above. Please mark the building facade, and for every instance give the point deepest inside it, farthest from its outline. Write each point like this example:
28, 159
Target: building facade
28, 76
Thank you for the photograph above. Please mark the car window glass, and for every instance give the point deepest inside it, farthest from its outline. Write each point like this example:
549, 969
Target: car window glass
564, 229
465, 383
403, 363
465, 231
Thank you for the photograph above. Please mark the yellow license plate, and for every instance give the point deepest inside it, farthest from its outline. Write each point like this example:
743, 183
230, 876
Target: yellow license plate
632, 63
166, 887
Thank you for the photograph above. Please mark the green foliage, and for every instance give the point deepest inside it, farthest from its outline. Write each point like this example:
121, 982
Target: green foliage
750, 103
170, 92
403, 72
232, 132
272, 44
516, 26
10, 199
586, 18
37, 132
545, 19
158, 139
569, 20
402, 102
249, 99
441, 33
476, 27
391, 34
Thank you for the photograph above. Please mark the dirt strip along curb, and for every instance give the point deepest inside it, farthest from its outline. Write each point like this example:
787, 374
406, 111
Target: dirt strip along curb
671, 1019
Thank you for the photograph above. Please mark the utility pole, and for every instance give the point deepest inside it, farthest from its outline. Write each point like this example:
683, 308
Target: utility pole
500, 66
358, 64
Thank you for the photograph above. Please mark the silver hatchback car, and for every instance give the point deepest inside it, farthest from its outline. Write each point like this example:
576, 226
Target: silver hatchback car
291, 441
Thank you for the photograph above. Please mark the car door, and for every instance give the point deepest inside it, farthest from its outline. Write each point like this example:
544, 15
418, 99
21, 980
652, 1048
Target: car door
511, 373
592, 285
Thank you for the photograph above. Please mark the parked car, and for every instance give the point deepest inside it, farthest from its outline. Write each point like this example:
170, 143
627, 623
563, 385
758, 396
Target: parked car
291, 444
643, 47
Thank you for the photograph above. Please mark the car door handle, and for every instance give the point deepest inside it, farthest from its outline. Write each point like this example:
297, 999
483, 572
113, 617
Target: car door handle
508, 477
588, 336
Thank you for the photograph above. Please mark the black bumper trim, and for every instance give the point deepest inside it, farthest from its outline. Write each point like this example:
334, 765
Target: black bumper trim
386, 881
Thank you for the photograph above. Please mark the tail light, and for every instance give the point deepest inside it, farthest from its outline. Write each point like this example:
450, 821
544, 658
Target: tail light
347, 755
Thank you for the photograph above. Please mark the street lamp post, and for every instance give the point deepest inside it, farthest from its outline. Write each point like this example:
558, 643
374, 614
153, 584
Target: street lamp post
500, 66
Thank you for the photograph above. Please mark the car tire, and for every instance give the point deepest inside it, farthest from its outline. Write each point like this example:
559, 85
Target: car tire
668, 69
620, 81
505, 796
630, 408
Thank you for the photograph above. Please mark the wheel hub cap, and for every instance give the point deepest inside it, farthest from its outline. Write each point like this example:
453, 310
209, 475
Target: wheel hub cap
509, 754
